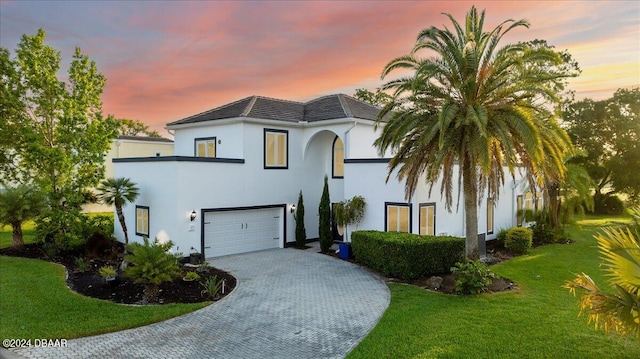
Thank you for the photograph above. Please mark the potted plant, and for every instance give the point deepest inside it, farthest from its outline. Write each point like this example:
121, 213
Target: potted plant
108, 273
347, 212
191, 276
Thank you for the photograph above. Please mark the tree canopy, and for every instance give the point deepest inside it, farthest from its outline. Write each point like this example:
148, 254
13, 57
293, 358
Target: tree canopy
378, 98
130, 127
58, 134
474, 107
608, 133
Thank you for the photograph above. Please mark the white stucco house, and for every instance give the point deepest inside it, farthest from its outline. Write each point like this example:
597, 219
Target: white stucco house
128, 147
237, 169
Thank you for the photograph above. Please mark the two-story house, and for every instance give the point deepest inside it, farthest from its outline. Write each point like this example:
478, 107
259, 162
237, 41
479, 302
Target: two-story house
233, 181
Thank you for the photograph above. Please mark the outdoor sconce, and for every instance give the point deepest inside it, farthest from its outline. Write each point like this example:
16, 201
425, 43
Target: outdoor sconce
193, 215
293, 208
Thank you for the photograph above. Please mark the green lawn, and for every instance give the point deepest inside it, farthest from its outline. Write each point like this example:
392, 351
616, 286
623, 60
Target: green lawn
538, 321
6, 234
36, 303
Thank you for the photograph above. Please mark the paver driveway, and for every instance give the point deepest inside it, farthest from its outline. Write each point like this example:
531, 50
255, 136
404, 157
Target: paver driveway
288, 304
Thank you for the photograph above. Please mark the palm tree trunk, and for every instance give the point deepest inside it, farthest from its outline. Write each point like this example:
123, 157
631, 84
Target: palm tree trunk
123, 224
18, 240
470, 191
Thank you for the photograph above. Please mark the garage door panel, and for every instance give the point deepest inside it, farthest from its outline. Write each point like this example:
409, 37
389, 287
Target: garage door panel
232, 232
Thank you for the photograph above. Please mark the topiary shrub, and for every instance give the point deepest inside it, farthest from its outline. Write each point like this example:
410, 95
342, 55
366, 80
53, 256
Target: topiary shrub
325, 237
518, 240
301, 232
406, 255
473, 277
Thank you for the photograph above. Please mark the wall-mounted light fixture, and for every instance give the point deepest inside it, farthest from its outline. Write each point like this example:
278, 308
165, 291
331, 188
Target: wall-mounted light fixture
293, 208
193, 215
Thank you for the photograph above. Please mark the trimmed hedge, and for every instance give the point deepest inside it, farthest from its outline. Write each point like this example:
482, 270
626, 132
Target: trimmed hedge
406, 255
519, 240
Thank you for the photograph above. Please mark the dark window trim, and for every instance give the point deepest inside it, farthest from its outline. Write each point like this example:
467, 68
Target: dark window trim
398, 204
333, 158
493, 216
264, 149
203, 211
427, 204
148, 221
367, 160
195, 145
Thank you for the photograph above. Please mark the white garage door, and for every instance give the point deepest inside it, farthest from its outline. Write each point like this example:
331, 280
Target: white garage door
232, 232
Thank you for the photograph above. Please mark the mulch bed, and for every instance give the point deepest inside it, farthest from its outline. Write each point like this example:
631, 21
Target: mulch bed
124, 290
448, 284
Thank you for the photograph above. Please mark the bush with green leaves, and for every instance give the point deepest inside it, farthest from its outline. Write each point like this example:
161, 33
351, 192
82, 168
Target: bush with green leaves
63, 229
518, 240
406, 255
473, 277
107, 272
501, 237
82, 264
211, 287
191, 276
151, 264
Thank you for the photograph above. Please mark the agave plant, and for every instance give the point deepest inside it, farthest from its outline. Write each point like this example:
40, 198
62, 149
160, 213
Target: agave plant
617, 312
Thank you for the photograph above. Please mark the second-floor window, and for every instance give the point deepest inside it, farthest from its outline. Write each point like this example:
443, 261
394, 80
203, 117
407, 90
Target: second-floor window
338, 158
276, 148
206, 147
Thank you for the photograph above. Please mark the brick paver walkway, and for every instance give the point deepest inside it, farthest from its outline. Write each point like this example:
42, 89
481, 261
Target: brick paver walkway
288, 304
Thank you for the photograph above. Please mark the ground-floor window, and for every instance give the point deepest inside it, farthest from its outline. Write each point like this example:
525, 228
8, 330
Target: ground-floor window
142, 221
398, 217
519, 208
428, 219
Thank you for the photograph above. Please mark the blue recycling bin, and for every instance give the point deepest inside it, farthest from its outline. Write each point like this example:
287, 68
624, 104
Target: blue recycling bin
344, 250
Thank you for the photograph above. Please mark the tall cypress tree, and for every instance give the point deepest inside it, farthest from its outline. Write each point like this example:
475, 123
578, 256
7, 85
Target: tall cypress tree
301, 233
324, 211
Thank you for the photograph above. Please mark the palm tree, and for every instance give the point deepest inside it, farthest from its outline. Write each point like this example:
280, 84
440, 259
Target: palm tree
118, 192
473, 106
20, 204
614, 312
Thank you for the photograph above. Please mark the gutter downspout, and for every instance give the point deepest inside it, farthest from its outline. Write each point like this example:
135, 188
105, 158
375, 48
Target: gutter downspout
347, 146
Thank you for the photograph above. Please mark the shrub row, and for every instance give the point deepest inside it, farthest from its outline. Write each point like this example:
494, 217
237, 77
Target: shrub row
406, 255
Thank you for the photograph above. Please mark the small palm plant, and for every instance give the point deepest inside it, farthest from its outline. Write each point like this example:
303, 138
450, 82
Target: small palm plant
18, 205
151, 264
617, 312
118, 192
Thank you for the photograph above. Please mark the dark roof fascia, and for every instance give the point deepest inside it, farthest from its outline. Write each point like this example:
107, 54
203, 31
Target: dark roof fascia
144, 139
178, 159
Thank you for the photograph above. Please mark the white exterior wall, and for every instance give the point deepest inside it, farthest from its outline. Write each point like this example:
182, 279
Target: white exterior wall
229, 134
154, 181
368, 180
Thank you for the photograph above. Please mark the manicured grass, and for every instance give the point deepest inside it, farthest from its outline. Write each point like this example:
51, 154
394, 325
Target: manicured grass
6, 234
35, 303
538, 321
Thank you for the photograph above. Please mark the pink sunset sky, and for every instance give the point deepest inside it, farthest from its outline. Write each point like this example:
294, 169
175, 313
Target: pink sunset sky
167, 60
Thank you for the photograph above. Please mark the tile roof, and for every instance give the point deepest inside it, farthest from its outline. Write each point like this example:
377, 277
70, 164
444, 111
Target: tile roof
323, 108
